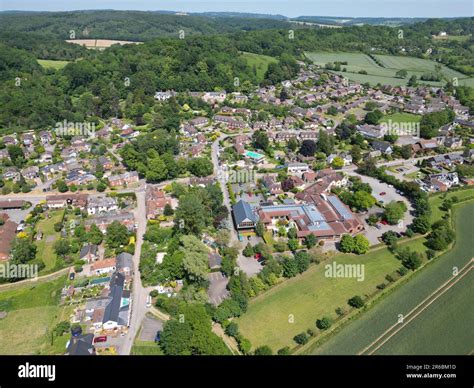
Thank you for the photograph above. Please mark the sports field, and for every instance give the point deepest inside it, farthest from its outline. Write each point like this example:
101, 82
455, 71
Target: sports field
443, 326
386, 72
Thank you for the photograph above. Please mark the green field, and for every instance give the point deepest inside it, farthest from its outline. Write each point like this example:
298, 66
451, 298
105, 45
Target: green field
439, 329
45, 251
32, 312
308, 297
444, 321
401, 118
146, 348
437, 200
260, 62
385, 74
51, 64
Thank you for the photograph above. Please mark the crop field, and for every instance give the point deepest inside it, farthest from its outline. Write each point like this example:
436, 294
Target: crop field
446, 322
442, 328
32, 312
99, 44
385, 74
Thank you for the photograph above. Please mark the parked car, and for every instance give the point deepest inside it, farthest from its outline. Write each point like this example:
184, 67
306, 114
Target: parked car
72, 275
258, 256
101, 338
378, 226
158, 336
383, 193
148, 301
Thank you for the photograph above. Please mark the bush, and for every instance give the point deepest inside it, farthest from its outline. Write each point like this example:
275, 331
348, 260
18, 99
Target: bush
58, 226
324, 323
356, 301
402, 271
232, 329
284, 351
154, 293
263, 351
301, 338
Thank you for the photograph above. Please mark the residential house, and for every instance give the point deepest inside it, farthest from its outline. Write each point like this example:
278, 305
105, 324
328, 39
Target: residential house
126, 178
89, 253
383, 146
97, 205
155, 200
103, 267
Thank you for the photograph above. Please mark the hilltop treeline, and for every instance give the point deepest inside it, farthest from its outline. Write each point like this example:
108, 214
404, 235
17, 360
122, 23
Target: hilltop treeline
95, 83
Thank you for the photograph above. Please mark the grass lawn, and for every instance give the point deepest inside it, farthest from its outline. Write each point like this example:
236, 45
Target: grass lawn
51, 64
32, 311
260, 62
442, 328
401, 118
437, 200
146, 348
308, 297
45, 246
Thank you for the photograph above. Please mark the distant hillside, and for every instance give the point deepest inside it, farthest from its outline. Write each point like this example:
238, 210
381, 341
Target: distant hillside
128, 25
350, 21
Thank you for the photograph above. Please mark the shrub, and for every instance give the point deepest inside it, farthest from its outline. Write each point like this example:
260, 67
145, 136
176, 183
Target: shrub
301, 338
356, 301
324, 323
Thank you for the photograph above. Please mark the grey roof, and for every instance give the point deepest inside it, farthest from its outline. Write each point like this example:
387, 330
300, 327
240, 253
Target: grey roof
242, 211
380, 145
85, 250
112, 310
124, 260
81, 345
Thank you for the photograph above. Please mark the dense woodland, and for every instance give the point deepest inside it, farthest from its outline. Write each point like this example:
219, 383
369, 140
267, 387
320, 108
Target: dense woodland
94, 83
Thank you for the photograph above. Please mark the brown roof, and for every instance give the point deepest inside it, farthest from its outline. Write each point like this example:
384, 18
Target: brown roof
11, 204
7, 235
106, 263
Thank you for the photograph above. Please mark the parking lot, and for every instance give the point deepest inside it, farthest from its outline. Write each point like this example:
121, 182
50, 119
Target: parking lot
373, 233
217, 291
150, 326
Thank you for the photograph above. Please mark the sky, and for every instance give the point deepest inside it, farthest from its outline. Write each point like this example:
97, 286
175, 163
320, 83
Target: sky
290, 8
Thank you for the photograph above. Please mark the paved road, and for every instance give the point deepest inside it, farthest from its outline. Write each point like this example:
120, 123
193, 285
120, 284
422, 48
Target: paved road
139, 293
221, 178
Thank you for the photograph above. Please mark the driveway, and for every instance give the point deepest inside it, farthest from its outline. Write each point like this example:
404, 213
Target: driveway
217, 291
